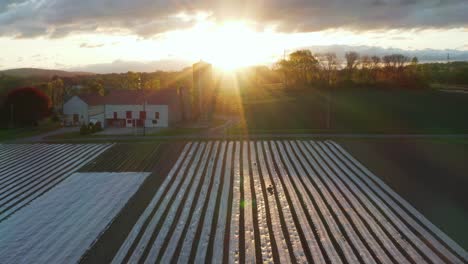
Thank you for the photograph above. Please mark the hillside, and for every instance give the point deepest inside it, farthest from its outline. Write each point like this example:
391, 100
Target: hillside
32, 72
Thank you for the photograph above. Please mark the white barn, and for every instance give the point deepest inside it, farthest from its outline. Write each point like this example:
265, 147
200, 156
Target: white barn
123, 108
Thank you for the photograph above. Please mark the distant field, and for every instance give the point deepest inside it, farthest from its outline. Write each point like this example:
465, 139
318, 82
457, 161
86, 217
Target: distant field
361, 111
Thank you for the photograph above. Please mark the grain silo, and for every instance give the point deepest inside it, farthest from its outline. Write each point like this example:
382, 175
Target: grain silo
202, 90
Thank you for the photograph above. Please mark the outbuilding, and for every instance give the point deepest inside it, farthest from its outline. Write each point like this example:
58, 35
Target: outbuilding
124, 108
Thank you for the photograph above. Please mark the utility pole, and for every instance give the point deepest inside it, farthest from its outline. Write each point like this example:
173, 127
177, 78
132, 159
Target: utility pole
285, 74
144, 105
12, 115
329, 108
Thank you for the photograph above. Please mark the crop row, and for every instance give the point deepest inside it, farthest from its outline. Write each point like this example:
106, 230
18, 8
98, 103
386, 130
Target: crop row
126, 157
28, 171
62, 224
284, 202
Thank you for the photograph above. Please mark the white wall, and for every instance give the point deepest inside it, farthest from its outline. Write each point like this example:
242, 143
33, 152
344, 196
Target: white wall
97, 118
96, 110
121, 110
76, 106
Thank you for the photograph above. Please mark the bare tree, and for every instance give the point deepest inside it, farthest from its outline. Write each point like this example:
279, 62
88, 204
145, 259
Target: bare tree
376, 63
376, 60
352, 59
329, 63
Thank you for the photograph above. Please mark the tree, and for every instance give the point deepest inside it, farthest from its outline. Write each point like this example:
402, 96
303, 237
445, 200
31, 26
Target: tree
151, 83
304, 64
352, 59
300, 67
329, 63
395, 64
375, 67
132, 81
366, 66
94, 86
56, 91
26, 106
286, 67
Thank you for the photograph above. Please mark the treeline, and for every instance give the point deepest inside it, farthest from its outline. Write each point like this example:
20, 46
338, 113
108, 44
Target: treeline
60, 89
445, 73
303, 68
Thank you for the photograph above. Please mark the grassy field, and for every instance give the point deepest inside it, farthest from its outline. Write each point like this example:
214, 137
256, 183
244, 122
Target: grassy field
430, 174
18, 133
360, 111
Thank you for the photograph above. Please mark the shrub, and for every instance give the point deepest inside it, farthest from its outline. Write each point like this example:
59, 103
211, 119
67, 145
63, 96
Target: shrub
84, 130
29, 105
55, 117
97, 127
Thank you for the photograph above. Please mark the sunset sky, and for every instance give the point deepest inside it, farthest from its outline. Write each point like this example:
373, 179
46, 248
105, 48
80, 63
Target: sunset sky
96, 35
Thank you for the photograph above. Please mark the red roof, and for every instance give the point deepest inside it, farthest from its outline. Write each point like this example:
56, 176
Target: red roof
130, 97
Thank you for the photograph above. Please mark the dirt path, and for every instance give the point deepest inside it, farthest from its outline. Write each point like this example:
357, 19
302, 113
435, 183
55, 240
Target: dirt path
214, 136
42, 137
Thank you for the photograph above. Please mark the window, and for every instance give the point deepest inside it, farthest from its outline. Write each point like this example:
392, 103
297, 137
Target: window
142, 115
155, 122
129, 114
115, 115
129, 121
156, 115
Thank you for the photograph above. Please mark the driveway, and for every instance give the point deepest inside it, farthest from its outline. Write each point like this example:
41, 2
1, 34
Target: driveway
41, 137
127, 131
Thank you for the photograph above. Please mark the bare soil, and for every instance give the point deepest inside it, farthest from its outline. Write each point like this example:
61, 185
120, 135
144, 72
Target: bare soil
110, 241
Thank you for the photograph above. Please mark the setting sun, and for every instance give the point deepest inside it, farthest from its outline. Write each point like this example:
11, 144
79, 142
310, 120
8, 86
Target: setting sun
228, 46
231, 46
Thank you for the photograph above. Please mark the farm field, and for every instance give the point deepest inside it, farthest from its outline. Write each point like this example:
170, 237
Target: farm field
431, 174
127, 157
29, 170
356, 110
61, 225
281, 201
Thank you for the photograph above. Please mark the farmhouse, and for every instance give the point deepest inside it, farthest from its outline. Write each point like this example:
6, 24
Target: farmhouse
124, 108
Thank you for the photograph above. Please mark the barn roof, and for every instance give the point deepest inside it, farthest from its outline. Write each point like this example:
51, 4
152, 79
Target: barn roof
130, 97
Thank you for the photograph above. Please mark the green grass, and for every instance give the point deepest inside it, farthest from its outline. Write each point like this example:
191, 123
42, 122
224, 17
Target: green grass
178, 131
19, 133
448, 86
361, 111
68, 135
77, 137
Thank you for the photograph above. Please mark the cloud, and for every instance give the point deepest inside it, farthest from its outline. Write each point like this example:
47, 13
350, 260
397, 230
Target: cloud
57, 18
424, 55
91, 46
121, 66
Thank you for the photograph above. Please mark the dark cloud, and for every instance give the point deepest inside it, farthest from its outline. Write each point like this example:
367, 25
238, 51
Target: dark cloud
57, 18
